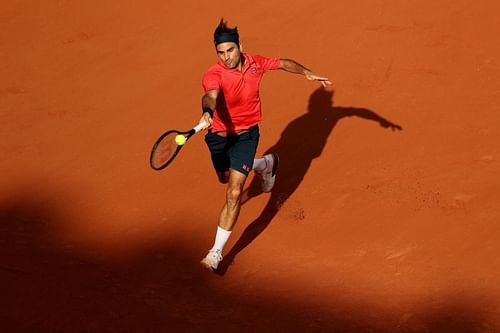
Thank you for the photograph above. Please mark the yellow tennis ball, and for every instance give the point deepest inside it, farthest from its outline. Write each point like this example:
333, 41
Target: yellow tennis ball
180, 139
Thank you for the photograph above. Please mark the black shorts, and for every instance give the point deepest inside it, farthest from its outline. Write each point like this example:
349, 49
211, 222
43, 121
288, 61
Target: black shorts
234, 151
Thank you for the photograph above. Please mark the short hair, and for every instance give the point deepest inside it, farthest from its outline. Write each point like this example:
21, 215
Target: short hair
223, 29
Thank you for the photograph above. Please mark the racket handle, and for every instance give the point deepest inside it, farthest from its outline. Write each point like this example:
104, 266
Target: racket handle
200, 126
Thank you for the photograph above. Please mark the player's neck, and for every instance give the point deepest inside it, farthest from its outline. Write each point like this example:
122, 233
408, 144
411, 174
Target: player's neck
241, 64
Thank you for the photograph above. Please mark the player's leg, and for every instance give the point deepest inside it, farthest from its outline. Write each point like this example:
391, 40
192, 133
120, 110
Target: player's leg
227, 218
231, 208
218, 152
241, 151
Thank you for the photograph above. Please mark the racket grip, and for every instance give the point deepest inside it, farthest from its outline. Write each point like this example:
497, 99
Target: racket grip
200, 126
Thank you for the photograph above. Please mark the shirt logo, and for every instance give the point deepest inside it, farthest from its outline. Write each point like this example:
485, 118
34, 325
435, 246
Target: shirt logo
253, 70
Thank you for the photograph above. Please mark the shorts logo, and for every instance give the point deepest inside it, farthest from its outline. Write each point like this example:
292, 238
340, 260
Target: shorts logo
246, 168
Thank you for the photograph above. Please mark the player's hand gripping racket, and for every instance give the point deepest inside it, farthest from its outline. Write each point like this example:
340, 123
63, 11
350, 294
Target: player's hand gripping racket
169, 144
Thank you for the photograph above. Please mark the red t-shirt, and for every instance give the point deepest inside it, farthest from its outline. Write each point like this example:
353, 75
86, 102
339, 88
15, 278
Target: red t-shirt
238, 102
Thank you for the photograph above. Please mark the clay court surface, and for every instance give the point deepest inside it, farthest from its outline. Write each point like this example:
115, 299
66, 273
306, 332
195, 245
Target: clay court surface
369, 228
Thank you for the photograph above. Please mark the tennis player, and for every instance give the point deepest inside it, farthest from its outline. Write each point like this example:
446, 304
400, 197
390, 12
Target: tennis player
232, 106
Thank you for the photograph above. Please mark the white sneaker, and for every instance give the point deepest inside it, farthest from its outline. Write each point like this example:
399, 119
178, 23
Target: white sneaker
212, 260
268, 176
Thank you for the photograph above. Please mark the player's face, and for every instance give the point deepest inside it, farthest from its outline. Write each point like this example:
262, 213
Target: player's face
230, 54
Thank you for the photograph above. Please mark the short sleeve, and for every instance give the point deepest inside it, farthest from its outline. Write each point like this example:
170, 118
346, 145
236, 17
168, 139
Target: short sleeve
267, 63
211, 81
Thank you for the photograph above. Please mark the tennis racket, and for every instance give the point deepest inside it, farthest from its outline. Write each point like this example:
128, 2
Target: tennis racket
169, 144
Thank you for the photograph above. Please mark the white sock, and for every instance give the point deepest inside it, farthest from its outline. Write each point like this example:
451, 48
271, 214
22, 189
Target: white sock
259, 164
221, 238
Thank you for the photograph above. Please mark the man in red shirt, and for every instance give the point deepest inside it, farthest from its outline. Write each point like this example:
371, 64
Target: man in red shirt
231, 106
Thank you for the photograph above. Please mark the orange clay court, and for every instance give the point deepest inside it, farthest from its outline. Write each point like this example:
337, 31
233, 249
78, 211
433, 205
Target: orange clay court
369, 228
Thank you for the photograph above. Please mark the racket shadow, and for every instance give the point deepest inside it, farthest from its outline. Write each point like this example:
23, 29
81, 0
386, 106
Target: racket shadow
302, 141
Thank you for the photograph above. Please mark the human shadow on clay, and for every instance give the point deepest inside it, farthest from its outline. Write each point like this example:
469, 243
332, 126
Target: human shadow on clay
300, 143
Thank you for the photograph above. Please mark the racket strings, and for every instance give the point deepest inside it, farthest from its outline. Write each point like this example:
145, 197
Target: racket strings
164, 151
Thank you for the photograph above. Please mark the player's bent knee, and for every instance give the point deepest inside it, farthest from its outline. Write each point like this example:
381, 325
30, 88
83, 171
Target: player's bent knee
234, 194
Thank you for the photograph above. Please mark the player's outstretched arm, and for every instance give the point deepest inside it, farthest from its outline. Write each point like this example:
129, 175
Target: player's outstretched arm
292, 66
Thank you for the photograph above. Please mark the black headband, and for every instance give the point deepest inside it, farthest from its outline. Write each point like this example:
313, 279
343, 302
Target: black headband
234, 38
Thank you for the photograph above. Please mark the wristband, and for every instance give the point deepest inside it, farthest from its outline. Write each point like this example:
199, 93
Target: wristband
209, 111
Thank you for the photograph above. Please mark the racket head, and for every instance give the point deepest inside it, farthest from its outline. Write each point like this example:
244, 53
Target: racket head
166, 149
